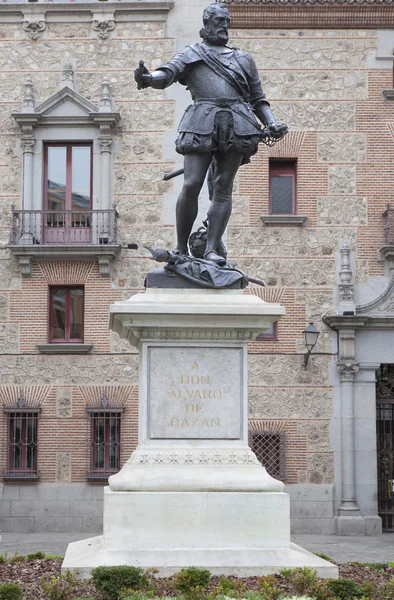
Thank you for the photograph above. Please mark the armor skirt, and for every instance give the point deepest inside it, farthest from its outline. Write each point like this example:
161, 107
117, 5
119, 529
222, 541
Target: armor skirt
222, 139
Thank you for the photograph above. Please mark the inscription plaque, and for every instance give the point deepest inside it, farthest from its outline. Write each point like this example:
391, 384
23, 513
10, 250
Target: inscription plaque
194, 393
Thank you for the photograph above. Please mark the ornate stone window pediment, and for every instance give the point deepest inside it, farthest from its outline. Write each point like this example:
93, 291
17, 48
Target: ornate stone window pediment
65, 117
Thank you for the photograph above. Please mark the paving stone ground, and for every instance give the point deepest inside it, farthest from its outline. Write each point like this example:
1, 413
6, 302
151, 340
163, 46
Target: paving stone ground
379, 548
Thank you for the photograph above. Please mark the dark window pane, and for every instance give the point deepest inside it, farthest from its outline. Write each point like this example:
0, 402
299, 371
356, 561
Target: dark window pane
281, 194
23, 442
59, 314
57, 173
81, 156
76, 314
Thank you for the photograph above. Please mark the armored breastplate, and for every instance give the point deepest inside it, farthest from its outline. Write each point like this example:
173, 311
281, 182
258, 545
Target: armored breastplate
204, 83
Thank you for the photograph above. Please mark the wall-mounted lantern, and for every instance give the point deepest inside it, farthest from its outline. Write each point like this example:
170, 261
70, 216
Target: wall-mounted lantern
311, 333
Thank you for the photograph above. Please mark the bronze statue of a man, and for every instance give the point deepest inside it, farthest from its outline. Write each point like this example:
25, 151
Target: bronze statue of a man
220, 126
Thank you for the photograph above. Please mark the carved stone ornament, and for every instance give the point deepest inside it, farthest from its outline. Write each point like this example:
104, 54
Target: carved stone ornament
347, 370
28, 100
34, 28
103, 27
197, 457
105, 144
346, 292
27, 145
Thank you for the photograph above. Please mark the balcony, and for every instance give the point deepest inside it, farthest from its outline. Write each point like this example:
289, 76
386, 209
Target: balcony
64, 235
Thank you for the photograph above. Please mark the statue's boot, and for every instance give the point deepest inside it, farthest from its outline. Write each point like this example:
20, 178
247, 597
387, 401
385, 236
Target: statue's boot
214, 257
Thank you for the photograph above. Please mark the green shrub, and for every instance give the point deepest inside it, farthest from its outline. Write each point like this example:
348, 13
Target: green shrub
10, 591
111, 580
268, 586
229, 589
3, 558
343, 589
16, 558
369, 590
60, 587
191, 579
303, 579
36, 556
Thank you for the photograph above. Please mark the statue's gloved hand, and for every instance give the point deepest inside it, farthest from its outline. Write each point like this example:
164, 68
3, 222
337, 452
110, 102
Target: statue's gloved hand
277, 130
142, 76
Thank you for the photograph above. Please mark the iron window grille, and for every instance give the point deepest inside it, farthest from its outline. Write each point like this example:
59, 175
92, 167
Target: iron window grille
22, 442
105, 441
282, 187
270, 449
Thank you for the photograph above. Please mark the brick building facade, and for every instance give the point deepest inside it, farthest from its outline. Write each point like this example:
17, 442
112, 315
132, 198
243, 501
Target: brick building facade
69, 387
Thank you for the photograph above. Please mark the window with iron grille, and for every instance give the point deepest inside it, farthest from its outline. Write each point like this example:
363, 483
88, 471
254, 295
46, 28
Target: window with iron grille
105, 441
22, 437
269, 448
282, 183
66, 314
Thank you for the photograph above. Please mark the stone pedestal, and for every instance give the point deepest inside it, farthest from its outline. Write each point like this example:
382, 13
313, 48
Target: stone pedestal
193, 493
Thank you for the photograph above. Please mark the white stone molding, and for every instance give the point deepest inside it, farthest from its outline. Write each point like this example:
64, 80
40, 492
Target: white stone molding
187, 457
105, 104
103, 27
377, 304
34, 28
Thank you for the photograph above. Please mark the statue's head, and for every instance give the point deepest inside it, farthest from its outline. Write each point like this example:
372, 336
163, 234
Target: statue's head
216, 19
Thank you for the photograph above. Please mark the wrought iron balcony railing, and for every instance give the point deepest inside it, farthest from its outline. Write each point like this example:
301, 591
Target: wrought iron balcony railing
67, 227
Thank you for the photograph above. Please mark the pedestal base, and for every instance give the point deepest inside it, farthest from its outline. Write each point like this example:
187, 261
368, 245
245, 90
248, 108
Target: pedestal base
228, 533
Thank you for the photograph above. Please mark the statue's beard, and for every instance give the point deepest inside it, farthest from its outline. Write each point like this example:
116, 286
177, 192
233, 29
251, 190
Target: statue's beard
216, 38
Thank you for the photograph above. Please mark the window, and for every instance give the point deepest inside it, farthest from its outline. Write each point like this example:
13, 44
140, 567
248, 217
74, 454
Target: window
282, 182
269, 448
105, 442
269, 334
66, 314
68, 193
22, 443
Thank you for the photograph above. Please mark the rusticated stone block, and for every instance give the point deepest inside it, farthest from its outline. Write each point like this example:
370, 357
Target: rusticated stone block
317, 435
240, 212
289, 273
9, 273
341, 179
316, 115
342, 210
317, 303
160, 237
66, 370
143, 179
140, 210
315, 85
310, 53
341, 148
147, 116
69, 30
279, 241
287, 370
131, 273
289, 403
320, 468
304, 34
140, 146
90, 54
4, 307
142, 30
120, 346
9, 338
64, 402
